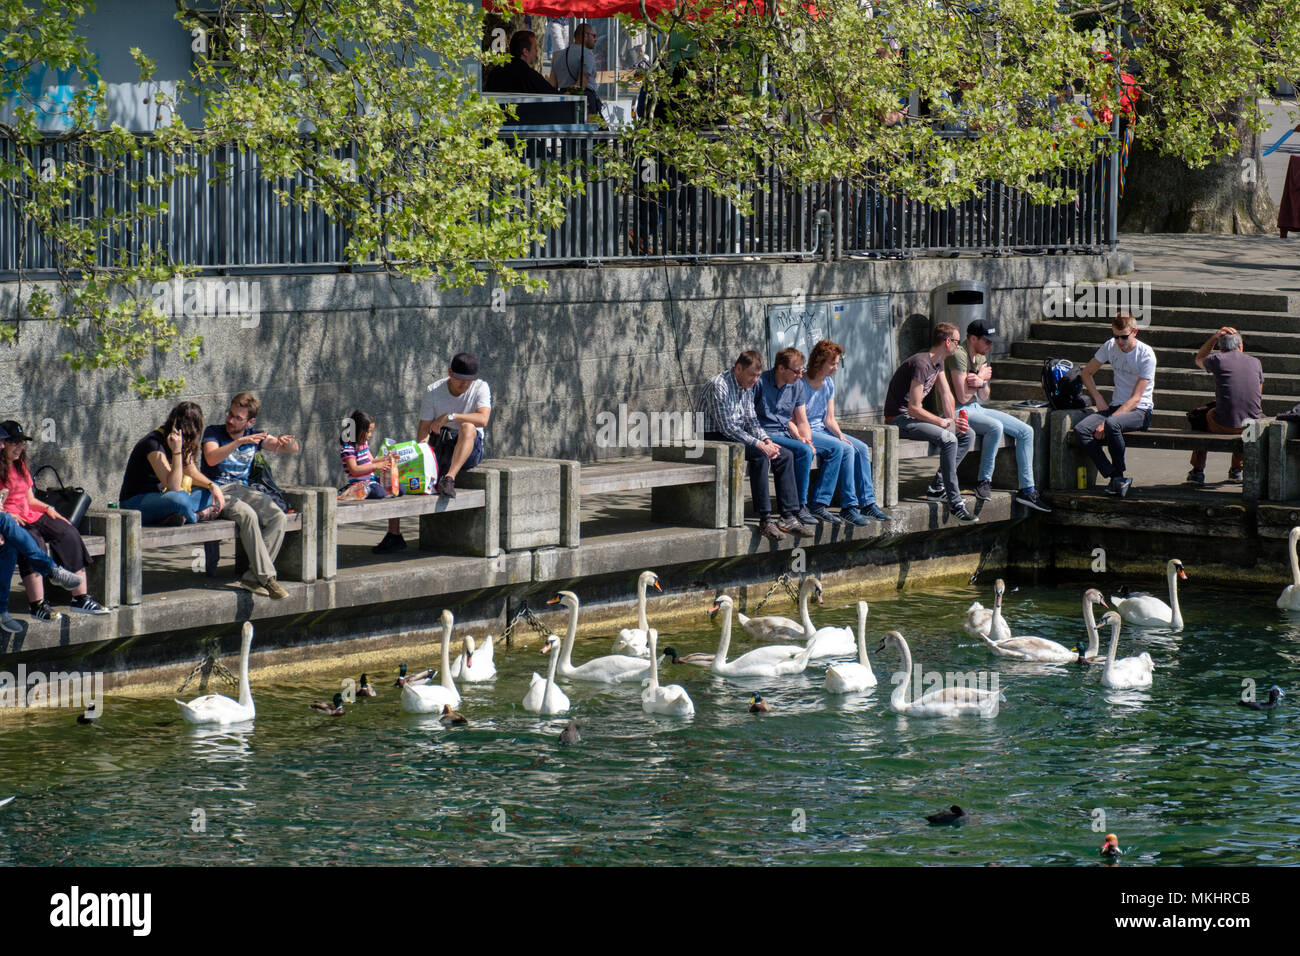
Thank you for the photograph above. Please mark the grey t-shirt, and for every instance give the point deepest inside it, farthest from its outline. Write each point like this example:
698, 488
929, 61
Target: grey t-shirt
568, 63
1238, 380
917, 368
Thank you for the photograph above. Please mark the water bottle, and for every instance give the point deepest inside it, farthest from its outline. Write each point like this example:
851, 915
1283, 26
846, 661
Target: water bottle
392, 468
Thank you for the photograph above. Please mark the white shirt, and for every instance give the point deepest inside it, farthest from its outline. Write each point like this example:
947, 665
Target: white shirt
568, 62
439, 401
1128, 368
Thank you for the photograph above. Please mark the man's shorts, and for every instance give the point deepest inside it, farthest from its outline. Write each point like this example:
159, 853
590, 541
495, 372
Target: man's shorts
445, 444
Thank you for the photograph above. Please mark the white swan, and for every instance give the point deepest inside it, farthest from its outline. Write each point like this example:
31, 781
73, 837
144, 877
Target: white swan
216, 709
983, 623
1091, 655
940, 702
757, 663
432, 698
851, 678
634, 641
672, 701
826, 642
1145, 610
543, 696
1128, 672
610, 669
475, 663
1290, 598
776, 628
1027, 648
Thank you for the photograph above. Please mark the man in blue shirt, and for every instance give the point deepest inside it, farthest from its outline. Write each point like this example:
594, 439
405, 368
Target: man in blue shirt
228, 452
779, 403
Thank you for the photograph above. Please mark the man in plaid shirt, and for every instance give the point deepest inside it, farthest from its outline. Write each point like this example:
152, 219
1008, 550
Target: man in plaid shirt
727, 403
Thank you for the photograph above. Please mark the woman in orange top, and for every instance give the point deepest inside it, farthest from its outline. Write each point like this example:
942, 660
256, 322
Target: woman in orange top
51, 530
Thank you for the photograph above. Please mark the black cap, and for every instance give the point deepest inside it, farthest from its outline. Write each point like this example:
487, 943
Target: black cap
464, 367
12, 430
982, 329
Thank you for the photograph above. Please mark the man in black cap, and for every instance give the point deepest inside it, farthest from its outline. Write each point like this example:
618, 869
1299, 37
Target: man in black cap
453, 418
969, 372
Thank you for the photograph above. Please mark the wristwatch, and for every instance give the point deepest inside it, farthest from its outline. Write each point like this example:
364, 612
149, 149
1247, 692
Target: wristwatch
451, 417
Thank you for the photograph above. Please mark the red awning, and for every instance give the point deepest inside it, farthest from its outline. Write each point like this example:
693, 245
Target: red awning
591, 9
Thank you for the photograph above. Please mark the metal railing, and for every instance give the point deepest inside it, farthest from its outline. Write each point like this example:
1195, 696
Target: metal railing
224, 215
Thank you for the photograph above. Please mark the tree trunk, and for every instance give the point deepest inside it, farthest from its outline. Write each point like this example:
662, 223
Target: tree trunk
1162, 194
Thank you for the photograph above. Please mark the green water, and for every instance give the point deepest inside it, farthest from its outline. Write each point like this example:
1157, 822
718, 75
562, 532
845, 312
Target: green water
1182, 774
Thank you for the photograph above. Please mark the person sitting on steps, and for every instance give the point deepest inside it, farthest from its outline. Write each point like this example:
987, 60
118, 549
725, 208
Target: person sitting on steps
1131, 402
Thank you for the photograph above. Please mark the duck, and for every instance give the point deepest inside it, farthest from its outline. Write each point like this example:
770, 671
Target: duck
609, 669
543, 696
367, 689
953, 816
672, 700
1111, 847
451, 718
942, 701
432, 698
634, 641
1275, 695
87, 718
757, 705
1127, 673
983, 623
216, 709
697, 658
334, 709
570, 735
474, 664
850, 678
1289, 599
1146, 610
1027, 648
754, 663
777, 628
403, 678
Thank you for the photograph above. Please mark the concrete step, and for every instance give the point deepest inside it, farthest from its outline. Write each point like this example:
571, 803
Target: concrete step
1189, 339
1166, 399
1079, 353
1209, 321
1217, 299
1182, 377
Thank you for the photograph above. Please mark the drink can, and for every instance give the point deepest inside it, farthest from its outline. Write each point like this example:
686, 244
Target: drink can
1083, 477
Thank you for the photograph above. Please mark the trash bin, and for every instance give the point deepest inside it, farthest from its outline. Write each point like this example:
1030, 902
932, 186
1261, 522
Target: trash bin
960, 302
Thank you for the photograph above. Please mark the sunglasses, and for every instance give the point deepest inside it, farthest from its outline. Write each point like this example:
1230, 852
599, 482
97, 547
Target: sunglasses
1127, 335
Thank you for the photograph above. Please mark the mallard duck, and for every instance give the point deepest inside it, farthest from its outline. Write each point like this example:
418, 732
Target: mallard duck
452, 718
953, 816
1275, 695
334, 710
367, 689
570, 735
757, 705
697, 658
1111, 847
87, 718
403, 678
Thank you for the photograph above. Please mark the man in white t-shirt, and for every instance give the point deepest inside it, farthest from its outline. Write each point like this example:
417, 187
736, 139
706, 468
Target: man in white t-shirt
1131, 401
453, 418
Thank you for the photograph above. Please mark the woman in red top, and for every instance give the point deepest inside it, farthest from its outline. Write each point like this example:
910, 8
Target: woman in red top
51, 530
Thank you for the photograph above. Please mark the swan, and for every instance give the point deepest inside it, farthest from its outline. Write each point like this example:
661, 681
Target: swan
610, 669
1290, 598
756, 663
985, 622
826, 642
633, 641
432, 698
1029, 648
543, 696
1144, 610
216, 709
851, 678
1092, 655
940, 702
776, 628
474, 663
672, 701
1129, 672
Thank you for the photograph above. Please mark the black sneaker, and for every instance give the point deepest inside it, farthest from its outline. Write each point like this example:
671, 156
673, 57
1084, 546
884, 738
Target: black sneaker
791, 524
822, 513
768, 529
959, 511
447, 486
85, 604
1196, 477
1234, 474
42, 611
854, 517
807, 517
935, 492
984, 490
391, 544
875, 513
1030, 498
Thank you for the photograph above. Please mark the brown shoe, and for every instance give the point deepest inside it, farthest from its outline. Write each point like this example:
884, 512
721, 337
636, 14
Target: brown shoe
768, 529
253, 586
791, 524
275, 590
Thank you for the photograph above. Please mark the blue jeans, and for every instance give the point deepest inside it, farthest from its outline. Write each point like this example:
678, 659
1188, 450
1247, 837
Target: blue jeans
834, 454
156, 505
856, 488
990, 424
803, 456
18, 541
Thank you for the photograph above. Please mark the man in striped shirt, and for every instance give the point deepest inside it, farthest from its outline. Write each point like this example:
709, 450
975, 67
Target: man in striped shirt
727, 403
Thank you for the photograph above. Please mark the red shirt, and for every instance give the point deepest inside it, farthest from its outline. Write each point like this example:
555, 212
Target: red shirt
19, 483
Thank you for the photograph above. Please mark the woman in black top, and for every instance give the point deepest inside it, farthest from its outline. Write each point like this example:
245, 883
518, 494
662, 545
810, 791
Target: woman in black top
160, 462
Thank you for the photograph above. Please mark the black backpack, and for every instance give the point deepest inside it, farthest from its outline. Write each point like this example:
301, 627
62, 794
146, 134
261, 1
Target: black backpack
1062, 385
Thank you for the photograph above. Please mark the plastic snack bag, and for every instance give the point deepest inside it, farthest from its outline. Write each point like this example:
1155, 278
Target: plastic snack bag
417, 469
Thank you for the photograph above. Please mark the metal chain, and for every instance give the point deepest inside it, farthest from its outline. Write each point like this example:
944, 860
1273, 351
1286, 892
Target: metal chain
782, 581
528, 617
215, 667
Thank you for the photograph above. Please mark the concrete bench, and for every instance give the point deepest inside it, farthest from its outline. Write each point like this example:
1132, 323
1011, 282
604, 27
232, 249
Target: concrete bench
467, 524
297, 560
103, 540
1068, 457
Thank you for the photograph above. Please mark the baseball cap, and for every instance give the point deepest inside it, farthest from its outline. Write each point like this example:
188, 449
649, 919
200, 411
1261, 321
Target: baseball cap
12, 430
982, 329
464, 367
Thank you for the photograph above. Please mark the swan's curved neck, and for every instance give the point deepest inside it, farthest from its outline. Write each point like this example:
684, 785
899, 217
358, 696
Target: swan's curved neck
571, 635
641, 621
245, 692
724, 642
446, 657
550, 676
899, 697
1177, 619
997, 616
1114, 643
805, 618
1295, 560
653, 641
862, 640
1090, 623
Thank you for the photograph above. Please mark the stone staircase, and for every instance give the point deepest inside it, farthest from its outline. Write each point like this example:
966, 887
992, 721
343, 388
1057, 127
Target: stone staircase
1180, 322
